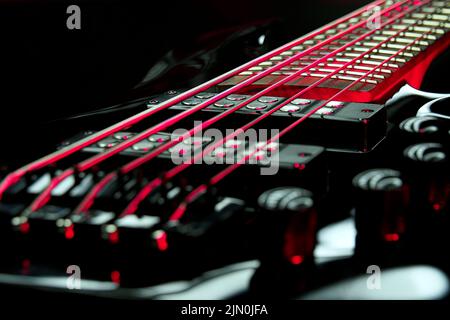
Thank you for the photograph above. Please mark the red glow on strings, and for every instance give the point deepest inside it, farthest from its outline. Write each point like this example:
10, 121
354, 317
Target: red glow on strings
259, 157
161, 240
299, 166
128, 122
115, 277
86, 164
296, 260
437, 207
24, 227
69, 232
133, 206
391, 237
178, 213
113, 237
89, 198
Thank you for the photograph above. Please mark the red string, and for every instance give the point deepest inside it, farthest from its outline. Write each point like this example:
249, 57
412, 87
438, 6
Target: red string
130, 209
139, 161
15, 176
173, 120
227, 171
45, 196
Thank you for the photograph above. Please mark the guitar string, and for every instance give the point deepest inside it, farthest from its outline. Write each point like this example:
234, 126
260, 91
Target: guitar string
193, 195
132, 207
173, 120
13, 177
88, 200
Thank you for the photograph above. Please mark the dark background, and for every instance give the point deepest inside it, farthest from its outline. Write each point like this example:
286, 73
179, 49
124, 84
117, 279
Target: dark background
48, 72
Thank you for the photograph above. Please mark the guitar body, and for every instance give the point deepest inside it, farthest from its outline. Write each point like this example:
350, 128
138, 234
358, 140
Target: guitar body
247, 163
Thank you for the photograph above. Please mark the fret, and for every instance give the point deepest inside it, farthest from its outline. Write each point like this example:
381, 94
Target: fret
357, 73
387, 52
438, 3
343, 59
355, 79
413, 33
354, 70
440, 17
382, 58
422, 29
351, 54
418, 15
360, 67
335, 65
276, 58
333, 47
392, 52
390, 64
400, 47
429, 23
439, 31
406, 53
319, 37
373, 56
340, 77
382, 38
296, 69
409, 21
370, 44
387, 33
408, 41
315, 74
326, 70
399, 26
361, 49
428, 9
416, 35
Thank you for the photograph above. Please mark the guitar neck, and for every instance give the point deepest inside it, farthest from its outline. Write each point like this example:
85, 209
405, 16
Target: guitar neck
407, 39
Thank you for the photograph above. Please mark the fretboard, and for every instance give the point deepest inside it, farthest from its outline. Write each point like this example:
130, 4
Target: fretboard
402, 42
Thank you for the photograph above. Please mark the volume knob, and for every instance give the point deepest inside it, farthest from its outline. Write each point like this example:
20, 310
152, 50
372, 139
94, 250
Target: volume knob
381, 199
286, 240
427, 167
290, 214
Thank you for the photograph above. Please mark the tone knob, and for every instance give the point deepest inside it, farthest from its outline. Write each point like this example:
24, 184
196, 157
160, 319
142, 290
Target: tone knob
287, 237
422, 126
427, 165
381, 199
427, 168
290, 211
423, 129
